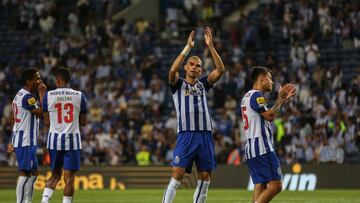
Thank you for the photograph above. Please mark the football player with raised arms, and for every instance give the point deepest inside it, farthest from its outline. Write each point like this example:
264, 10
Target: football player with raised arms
195, 132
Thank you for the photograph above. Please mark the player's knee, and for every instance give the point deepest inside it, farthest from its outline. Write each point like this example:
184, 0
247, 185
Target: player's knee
35, 173
56, 177
69, 180
277, 188
204, 176
178, 174
56, 174
24, 173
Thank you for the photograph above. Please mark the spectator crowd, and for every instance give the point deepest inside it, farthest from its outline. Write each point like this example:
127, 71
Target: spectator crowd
122, 68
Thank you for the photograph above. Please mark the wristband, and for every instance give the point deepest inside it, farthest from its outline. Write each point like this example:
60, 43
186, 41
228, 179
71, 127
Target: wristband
186, 50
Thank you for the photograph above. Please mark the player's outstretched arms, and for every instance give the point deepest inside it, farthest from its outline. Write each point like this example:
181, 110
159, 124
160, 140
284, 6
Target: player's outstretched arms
173, 73
284, 94
219, 66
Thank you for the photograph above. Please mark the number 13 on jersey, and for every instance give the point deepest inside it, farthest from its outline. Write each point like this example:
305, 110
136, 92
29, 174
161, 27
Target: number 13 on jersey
68, 109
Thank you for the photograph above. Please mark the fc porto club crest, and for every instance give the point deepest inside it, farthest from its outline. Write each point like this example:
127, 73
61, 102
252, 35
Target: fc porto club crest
177, 159
196, 90
199, 86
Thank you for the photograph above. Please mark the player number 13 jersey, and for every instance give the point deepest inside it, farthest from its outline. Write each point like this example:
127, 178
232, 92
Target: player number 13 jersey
64, 106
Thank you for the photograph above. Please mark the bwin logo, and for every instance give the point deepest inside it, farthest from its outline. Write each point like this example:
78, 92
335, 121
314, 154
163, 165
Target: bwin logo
295, 181
300, 182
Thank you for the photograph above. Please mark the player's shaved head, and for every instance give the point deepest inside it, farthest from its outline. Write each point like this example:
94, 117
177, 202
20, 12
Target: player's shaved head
63, 74
194, 58
193, 67
28, 74
257, 71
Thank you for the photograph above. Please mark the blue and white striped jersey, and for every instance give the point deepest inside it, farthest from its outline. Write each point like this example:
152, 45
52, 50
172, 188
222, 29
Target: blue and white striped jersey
64, 106
26, 124
191, 105
257, 129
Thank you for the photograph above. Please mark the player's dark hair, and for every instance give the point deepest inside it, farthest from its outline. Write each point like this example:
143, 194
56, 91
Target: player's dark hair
257, 71
64, 74
27, 74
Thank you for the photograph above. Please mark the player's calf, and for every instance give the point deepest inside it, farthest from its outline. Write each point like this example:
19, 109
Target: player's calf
20, 188
175, 182
201, 191
202, 187
170, 191
69, 185
51, 185
273, 188
47, 195
29, 189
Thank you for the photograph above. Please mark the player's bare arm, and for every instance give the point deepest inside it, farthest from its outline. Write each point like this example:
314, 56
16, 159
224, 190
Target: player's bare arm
10, 147
38, 111
174, 70
284, 94
83, 120
219, 66
46, 119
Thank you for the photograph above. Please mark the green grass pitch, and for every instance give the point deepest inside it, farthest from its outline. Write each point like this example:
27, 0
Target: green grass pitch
185, 195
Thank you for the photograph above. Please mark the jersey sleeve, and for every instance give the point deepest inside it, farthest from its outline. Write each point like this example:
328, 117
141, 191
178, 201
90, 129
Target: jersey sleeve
45, 103
29, 102
204, 80
258, 102
83, 104
176, 86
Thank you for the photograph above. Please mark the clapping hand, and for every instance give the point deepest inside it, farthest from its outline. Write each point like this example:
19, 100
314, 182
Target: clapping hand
190, 40
287, 91
42, 88
208, 37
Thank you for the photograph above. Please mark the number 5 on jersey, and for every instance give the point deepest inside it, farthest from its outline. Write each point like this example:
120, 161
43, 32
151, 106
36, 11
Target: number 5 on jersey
245, 118
68, 109
15, 111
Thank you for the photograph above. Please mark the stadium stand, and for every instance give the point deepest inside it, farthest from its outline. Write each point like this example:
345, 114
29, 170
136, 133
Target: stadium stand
122, 67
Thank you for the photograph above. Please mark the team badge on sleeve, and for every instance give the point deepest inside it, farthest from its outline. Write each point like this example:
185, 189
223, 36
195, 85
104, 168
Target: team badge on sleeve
32, 101
261, 100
